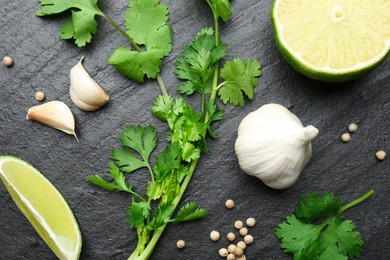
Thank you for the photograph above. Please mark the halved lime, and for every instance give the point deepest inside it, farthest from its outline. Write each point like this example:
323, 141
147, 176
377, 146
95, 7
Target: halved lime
43, 206
332, 40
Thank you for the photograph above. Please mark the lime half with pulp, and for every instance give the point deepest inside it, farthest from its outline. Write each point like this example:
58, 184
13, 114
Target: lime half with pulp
332, 40
43, 206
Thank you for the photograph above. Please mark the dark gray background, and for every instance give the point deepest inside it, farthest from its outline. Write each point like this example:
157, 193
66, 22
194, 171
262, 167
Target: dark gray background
43, 61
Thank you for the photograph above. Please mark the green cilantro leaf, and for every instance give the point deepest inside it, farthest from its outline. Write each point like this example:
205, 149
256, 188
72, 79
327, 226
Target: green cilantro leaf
221, 8
162, 215
99, 181
314, 206
197, 63
189, 212
146, 23
83, 23
334, 238
167, 161
240, 78
137, 213
214, 114
162, 107
141, 139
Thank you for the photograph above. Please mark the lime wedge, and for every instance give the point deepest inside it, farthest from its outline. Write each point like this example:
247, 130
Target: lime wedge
332, 40
43, 206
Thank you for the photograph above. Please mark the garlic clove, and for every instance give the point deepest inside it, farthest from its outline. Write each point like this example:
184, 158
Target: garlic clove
85, 93
55, 114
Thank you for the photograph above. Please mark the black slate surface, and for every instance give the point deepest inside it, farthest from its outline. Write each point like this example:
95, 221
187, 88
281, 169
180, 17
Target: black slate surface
42, 62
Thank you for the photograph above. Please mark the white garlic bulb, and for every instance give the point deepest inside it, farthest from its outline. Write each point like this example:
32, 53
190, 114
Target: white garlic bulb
85, 93
273, 145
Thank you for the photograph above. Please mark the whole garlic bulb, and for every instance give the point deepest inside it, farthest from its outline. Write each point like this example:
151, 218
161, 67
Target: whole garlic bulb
273, 145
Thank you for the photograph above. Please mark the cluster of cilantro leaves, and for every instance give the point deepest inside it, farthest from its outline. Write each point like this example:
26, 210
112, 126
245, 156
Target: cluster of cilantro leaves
146, 29
318, 231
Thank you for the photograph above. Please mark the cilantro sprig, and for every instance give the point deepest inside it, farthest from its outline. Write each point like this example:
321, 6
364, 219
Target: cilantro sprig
332, 238
198, 66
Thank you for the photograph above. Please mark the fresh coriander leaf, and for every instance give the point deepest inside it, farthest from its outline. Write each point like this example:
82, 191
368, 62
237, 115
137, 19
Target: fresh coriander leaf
163, 214
137, 213
190, 212
83, 23
221, 8
119, 178
141, 139
197, 63
240, 78
314, 206
214, 114
136, 65
167, 161
298, 238
162, 107
99, 181
146, 22
341, 239
126, 160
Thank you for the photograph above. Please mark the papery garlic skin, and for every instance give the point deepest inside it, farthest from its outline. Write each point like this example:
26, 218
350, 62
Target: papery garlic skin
273, 145
55, 114
85, 93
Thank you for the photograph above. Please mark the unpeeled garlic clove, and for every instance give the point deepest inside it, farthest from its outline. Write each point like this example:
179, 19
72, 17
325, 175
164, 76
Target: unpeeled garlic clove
85, 93
55, 114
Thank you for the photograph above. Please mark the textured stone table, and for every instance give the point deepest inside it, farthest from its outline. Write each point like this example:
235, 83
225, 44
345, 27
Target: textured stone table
42, 62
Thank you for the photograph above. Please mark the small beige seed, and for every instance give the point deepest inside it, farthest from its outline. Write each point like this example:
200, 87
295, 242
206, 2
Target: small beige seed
352, 127
214, 235
223, 252
238, 252
229, 204
7, 61
230, 236
231, 257
231, 248
345, 137
251, 222
248, 239
39, 96
238, 224
380, 155
241, 244
180, 244
243, 231
243, 257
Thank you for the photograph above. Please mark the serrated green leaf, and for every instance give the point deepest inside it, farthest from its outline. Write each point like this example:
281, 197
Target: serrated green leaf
83, 23
240, 78
162, 107
167, 161
136, 65
99, 181
126, 160
221, 8
137, 213
190, 212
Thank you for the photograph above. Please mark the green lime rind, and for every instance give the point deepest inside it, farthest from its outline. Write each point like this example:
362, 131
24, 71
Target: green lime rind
330, 76
52, 238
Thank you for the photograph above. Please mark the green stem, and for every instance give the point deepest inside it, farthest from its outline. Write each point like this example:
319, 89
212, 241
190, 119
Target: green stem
357, 201
161, 84
159, 231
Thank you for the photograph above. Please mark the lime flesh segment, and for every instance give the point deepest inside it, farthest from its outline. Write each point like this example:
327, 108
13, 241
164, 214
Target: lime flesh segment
43, 206
332, 40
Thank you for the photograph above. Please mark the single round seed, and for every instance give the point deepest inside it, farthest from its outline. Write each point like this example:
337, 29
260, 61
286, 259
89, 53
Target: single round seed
345, 137
380, 155
238, 224
352, 127
39, 96
241, 244
251, 222
229, 204
248, 239
214, 235
231, 257
223, 252
243, 231
238, 252
180, 244
7, 61
231, 248
231, 236
243, 257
